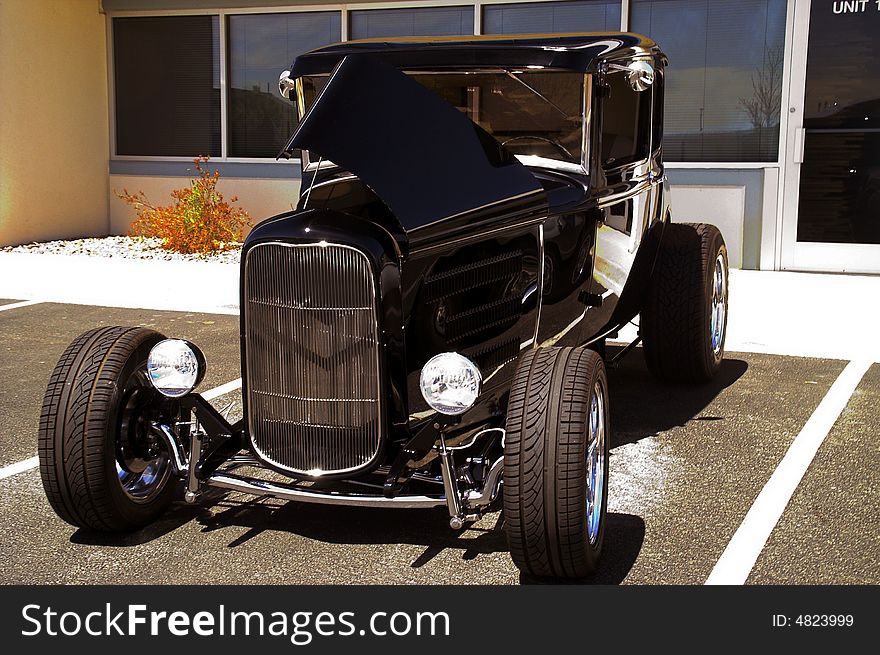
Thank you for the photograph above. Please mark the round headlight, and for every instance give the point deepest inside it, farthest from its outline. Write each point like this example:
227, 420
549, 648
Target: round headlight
450, 383
175, 367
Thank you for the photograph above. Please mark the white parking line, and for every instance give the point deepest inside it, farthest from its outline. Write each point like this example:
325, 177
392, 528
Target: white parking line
738, 559
222, 389
19, 467
34, 462
16, 305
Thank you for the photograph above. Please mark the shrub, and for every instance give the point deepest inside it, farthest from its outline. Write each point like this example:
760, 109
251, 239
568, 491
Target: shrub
199, 221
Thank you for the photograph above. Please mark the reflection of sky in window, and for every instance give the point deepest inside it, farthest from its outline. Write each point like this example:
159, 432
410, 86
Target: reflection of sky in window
263, 45
548, 17
428, 21
715, 48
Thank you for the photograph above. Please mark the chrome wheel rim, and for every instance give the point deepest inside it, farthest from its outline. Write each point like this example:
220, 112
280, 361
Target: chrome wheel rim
141, 468
719, 305
595, 462
144, 486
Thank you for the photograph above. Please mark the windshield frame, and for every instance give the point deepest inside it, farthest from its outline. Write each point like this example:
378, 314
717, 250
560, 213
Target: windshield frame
536, 161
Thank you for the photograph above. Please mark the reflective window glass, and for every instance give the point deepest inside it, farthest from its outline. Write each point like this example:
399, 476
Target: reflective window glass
422, 21
261, 46
532, 113
166, 77
840, 175
549, 17
626, 122
724, 80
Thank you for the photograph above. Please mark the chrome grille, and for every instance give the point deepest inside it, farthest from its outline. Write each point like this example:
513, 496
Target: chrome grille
312, 357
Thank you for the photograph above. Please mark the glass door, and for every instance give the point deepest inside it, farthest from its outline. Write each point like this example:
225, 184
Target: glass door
831, 215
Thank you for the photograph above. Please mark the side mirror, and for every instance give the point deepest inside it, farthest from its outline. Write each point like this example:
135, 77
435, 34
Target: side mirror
285, 84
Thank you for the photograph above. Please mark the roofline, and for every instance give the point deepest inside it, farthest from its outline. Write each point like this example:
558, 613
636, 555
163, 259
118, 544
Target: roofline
645, 41
579, 51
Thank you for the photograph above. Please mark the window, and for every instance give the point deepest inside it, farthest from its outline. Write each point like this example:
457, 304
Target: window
722, 86
546, 17
167, 82
532, 113
260, 47
626, 122
724, 80
425, 21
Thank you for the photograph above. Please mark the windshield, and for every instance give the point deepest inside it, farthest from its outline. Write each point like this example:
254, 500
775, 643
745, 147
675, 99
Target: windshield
532, 113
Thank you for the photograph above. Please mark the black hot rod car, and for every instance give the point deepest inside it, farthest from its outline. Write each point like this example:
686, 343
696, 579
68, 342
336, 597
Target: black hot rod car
428, 327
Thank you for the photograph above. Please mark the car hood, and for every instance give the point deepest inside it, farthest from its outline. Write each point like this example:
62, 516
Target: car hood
427, 161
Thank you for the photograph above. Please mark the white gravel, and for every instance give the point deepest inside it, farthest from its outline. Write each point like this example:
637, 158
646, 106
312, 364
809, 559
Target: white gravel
126, 247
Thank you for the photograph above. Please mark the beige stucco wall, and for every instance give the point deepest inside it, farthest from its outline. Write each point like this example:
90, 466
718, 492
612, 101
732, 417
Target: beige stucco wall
261, 197
54, 134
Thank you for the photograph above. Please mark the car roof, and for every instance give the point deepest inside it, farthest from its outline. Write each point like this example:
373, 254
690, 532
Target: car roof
580, 51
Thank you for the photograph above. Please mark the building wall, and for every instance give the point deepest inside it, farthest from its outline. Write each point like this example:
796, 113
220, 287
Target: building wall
263, 189
54, 134
261, 197
735, 200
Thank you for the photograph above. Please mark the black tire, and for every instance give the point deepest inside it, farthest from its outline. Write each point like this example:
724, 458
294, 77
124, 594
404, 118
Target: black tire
92, 401
545, 462
677, 324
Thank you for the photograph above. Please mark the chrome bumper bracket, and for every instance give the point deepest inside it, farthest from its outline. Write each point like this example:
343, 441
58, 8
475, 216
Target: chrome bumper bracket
257, 487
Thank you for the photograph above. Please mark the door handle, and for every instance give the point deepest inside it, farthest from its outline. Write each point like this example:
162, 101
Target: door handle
800, 135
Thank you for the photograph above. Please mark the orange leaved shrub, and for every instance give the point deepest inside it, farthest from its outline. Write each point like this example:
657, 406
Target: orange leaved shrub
199, 221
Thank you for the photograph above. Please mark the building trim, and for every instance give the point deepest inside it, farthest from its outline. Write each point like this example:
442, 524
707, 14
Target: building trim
716, 165
158, 167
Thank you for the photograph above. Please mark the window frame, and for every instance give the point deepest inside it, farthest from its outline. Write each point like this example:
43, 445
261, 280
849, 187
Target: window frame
111, 82
225, 83
587, 139
785, 103
629, 164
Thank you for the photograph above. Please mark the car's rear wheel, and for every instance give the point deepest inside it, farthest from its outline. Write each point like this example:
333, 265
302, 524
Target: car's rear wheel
684, 320
101, 465
556, 462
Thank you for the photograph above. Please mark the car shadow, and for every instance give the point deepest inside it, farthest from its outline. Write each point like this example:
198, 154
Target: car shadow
428, 528
642, 406
174, 518
177, 515
624, 536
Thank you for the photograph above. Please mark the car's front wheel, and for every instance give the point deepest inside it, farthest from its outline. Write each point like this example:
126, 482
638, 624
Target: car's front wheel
101, 466
556, 462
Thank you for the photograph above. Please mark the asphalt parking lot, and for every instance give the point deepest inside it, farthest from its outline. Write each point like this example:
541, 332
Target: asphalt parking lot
687, 463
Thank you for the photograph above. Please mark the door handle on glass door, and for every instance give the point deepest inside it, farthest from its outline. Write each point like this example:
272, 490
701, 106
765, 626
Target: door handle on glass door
800, 135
